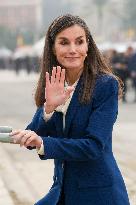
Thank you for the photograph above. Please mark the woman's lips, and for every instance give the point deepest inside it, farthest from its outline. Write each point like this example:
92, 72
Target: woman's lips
72, 57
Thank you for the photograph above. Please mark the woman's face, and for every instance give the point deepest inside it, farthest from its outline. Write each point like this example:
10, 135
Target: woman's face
71, 47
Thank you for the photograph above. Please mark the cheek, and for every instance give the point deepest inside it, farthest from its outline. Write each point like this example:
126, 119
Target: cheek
59, 52
84, 53
84, 50
60, 57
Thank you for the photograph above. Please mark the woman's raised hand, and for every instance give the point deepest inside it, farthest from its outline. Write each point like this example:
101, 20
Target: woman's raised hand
55, 92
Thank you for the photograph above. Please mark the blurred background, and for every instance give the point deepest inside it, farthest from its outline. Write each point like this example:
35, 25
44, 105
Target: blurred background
23, 25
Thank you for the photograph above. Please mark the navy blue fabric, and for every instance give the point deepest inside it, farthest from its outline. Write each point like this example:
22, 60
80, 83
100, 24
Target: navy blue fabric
84, 163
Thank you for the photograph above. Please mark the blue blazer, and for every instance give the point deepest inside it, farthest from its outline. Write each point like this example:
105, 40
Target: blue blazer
85, 167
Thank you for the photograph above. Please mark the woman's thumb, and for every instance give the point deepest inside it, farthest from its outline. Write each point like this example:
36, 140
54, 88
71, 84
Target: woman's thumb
68, 90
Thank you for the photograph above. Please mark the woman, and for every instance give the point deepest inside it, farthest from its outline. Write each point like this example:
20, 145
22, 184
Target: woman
74, 120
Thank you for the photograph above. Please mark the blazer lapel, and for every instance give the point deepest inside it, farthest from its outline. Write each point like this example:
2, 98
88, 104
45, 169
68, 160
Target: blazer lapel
73, 106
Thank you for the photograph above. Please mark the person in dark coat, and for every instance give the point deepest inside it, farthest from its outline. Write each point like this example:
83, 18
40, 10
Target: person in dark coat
132, 69
126, 56
77, 106
120, 66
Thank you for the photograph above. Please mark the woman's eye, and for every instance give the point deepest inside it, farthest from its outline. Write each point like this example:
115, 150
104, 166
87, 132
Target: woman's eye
79, 42
63, 42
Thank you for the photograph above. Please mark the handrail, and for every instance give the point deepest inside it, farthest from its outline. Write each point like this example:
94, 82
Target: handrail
5, 134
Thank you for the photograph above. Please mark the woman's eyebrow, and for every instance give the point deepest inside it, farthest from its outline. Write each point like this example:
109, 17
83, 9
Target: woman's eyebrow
80, 37
65, 38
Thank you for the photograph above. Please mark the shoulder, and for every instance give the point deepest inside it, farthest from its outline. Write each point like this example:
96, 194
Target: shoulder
105, 85
39, 110
106, 80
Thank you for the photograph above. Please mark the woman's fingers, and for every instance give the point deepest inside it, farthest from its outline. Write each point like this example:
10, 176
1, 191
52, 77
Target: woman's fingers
33, 140
53, 77
30, 141
18, 135
62, 78
54, 91
58, 74
15, 132
24, 139
15, 135
68, 91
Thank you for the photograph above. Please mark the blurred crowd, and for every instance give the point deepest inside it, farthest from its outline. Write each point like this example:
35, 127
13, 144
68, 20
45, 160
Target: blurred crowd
27, 63
122, 63
124, 66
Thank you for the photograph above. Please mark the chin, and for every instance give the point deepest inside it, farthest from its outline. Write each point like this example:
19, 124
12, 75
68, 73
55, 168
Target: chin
71, 66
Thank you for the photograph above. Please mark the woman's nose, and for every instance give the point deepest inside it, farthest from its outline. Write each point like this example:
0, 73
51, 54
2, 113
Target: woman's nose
72, 48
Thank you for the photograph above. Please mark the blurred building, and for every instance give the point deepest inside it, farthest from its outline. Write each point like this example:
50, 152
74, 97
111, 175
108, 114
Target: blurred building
53, 8
19, 14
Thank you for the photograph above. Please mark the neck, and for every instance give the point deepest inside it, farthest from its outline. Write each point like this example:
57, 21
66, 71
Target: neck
72, 77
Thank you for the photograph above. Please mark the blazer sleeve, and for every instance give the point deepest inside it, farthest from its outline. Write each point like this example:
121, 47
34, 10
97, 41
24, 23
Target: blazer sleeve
98, 131
39, 125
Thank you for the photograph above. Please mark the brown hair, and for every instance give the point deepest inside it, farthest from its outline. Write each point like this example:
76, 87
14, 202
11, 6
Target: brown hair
94, 62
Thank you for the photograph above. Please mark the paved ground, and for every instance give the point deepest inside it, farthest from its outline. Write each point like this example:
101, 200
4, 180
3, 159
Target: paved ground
23, 177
